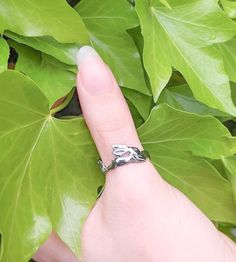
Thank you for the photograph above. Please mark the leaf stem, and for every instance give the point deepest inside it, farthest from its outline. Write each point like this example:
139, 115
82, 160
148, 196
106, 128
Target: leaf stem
64, 104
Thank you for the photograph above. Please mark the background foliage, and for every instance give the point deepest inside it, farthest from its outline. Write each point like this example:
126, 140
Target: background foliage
175, 61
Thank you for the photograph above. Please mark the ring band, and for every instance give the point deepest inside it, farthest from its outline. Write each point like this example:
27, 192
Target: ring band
124, 155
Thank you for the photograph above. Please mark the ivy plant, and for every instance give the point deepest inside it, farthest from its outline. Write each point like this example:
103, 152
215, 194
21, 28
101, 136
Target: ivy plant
175, 62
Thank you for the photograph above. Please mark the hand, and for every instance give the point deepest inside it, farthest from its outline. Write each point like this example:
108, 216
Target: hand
139, 217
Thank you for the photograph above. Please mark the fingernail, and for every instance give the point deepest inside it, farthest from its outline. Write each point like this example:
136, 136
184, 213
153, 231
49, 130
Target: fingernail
94, 76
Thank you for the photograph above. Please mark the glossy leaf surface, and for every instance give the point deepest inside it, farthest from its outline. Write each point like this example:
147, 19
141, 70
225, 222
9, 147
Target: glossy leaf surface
52, 179
64, 52
230, 166
229, 8
228, 51
40, 18
48, 171
173, 139
182, 37
53, 81
107, 22
166, 3
180, 97
4, 54
140, 101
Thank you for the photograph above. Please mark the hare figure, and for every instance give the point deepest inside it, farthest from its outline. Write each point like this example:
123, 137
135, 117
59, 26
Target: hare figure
123, 155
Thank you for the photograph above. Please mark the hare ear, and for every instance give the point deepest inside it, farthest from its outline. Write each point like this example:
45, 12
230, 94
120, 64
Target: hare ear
119, 147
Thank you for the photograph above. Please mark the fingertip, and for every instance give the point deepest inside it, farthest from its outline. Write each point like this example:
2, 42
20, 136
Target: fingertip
84, 53
94, 77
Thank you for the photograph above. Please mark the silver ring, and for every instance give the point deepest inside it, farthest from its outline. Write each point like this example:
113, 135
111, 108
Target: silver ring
124, 155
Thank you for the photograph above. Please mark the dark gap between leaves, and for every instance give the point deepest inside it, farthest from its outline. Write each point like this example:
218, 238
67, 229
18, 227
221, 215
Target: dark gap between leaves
72, 109
231, 125
73, 2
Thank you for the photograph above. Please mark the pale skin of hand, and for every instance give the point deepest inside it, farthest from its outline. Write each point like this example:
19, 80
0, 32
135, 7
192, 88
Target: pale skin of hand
139, 217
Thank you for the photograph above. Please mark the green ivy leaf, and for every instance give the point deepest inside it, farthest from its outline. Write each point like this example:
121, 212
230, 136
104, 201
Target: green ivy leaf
219, 166
165, 2
137, 118
182, 37
228, 51
53, 81
229, 8
140, 101
180, 97
48, 171
172, 138
66, 53
47, 59
136, 35
230, 166
176, 79
107, 22
183, 131
56, 79
44, 175
4, 54
40, 18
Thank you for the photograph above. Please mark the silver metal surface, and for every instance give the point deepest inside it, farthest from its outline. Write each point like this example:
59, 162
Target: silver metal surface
124, 155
